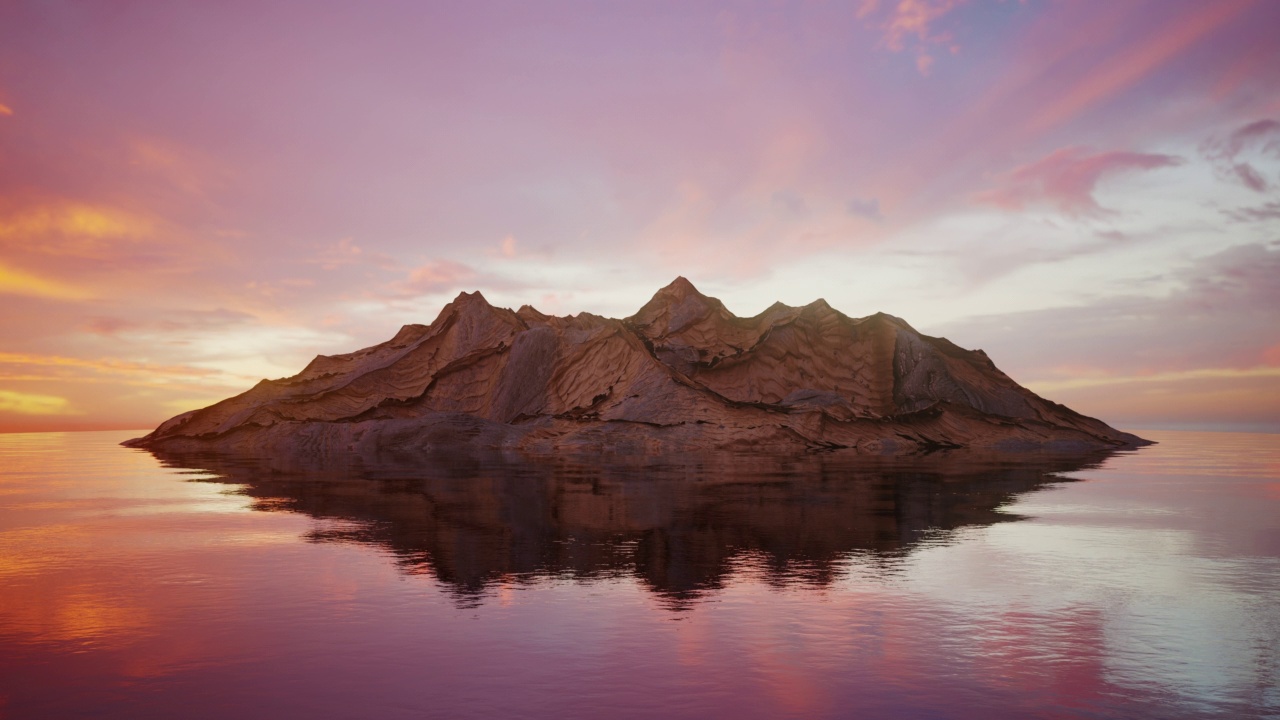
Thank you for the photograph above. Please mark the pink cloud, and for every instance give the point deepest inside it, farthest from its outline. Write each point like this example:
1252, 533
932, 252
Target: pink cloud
506, 248
1173, 37
1271, 356
434, 277
914, 23
346, 252
1252, 132
200, 320
110, 326
1065, 179
916, 17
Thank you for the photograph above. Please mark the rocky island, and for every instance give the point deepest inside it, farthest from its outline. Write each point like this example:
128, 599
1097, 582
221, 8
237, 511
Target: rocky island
682, 374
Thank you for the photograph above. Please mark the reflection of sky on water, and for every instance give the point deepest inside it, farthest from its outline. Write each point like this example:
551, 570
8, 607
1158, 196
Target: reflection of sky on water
1138, 592
1169, 558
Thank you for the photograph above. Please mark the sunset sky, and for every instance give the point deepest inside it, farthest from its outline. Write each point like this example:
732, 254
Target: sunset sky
195, 196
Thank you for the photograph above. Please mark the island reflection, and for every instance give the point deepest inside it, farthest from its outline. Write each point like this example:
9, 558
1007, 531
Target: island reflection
680, 525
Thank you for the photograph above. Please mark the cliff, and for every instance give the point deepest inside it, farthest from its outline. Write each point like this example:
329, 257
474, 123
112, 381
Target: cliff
682, 374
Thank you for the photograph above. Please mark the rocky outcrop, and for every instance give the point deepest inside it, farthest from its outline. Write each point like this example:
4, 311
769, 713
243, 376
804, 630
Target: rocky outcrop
681, 374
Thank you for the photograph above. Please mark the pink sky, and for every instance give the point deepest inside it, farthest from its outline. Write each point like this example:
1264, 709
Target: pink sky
196, 196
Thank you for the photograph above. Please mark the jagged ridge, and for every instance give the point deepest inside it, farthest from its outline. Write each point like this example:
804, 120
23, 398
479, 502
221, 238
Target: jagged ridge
681, 374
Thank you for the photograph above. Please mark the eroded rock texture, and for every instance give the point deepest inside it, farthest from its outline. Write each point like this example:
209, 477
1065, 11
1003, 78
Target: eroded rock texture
681, 374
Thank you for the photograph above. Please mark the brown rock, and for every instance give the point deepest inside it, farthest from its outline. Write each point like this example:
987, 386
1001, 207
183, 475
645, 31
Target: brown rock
681, 374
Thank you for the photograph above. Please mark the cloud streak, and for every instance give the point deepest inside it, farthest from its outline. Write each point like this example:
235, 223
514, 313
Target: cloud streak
1176, 35
1231, 155
50, 363
1065, 180
33, 404
435, 277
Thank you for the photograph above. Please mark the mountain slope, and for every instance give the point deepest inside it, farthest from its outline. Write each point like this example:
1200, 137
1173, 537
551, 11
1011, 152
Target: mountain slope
681, 374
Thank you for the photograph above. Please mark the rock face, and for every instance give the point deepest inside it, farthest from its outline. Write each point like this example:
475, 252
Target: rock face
682, 374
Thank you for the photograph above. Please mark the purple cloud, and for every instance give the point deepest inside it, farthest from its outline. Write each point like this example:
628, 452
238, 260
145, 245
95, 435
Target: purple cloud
868, 208
1260, 138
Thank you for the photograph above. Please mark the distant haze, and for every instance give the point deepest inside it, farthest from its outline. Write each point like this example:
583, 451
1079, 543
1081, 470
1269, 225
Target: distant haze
197, 196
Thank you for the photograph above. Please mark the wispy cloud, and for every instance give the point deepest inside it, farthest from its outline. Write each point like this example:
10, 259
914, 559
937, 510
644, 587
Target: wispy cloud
50, 363
346, 252
33, 404
171, 321
507, 248
19, 282
435, 277
1258, 213
1093, 380
1173, 35
868, 208
1065, 179
1233, 155
75, 225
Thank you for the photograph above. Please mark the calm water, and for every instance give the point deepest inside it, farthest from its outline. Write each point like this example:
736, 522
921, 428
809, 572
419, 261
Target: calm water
1142, 584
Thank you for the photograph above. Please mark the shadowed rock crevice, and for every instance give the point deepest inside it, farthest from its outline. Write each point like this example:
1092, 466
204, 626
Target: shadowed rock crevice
682, 374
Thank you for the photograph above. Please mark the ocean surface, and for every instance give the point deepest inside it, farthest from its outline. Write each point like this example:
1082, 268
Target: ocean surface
1140, 584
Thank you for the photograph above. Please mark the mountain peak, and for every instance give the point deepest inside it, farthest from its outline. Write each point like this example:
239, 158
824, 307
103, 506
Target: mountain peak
679, 297
465, 297
681, 288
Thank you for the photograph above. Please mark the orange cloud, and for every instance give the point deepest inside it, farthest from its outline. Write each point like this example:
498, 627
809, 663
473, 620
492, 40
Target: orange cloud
71, 219
108, 366
5, 110
36, 240
49, 393
59, 248
17, 282
33, 404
